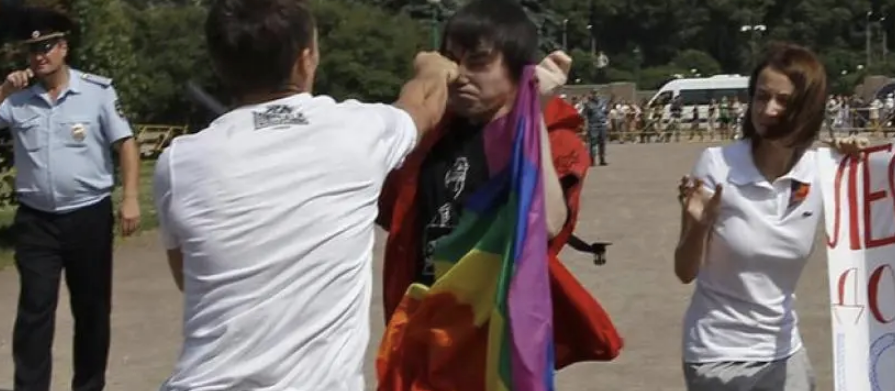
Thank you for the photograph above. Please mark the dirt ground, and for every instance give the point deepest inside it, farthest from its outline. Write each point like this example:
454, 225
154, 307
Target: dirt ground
632, 203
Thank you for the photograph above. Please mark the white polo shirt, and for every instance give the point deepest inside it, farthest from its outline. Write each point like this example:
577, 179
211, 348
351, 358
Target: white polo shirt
743, 306
273, 207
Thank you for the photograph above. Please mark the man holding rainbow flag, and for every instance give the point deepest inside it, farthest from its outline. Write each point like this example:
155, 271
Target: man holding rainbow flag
475, 298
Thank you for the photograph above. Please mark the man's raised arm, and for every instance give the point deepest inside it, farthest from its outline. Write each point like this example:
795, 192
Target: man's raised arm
424, 97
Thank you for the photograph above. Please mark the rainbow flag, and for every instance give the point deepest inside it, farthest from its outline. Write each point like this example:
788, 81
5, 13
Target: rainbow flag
486, 323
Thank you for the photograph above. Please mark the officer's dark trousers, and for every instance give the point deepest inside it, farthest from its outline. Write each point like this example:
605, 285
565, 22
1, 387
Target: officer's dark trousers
596, 137
80, 244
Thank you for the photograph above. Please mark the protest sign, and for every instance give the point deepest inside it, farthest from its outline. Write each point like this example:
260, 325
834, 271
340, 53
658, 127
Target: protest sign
859, 210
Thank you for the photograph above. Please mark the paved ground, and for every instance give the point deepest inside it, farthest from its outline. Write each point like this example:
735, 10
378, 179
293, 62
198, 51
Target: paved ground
632, 203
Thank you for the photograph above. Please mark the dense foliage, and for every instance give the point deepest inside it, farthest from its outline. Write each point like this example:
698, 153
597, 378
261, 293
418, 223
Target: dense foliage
153, 47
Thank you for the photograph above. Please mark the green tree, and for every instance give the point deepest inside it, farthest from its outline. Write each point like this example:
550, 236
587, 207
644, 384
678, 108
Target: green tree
701, 62
57, 5
365, 52
584, 70
172, 52
104, 46
654, 77
368, 45
548, 22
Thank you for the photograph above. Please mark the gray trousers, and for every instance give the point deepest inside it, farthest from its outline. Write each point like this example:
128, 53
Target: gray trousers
793, 373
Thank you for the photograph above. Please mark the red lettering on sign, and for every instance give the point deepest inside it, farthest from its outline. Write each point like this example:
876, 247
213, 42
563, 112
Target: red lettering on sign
873, 299
854, 235
849, 167
871, 196
843, 281
846, 309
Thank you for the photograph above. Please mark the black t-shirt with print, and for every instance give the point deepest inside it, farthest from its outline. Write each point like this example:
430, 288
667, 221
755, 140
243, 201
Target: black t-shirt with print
454, 168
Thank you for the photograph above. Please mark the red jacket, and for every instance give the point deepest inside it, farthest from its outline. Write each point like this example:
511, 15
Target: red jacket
582, 329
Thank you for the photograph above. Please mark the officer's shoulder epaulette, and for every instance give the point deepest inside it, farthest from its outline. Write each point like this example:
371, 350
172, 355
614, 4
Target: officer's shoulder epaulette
103, 82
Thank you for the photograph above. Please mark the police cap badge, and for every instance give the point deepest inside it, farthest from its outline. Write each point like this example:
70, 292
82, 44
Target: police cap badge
41, 28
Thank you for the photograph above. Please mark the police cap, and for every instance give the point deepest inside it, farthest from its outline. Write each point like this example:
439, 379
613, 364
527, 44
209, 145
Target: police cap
42, 24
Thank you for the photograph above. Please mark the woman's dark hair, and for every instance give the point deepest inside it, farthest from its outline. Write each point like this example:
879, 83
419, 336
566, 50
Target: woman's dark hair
804, 113
254, 44
499, 25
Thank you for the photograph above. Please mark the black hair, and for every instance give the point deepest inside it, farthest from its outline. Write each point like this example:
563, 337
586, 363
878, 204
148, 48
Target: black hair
501, 25
254, 44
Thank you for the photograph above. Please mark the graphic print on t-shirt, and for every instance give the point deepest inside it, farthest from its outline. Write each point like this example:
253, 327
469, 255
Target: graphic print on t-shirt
442, 223
455, 167
278, 115
455, 179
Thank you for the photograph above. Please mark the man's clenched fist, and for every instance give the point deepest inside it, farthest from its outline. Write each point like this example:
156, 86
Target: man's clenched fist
553, 72
433, 64
15, 81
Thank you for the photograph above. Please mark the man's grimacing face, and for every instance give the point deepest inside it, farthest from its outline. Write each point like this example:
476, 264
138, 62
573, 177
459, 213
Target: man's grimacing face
484, 84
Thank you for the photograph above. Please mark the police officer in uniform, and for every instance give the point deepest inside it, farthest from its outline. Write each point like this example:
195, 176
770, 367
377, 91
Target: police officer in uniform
596, 111
66, 125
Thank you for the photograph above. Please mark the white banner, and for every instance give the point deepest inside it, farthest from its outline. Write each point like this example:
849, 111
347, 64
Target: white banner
859, 210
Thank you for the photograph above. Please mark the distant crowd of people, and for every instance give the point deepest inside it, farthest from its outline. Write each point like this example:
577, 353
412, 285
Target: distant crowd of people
626, 121
609, 118
854, 114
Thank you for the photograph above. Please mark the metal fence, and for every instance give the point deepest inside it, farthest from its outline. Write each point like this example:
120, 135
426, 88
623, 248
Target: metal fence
872, 123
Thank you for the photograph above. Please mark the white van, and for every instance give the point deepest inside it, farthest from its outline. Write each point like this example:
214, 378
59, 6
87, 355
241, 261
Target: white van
699, 92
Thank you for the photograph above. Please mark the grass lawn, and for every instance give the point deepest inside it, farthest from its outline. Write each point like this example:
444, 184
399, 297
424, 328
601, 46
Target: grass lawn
148, 219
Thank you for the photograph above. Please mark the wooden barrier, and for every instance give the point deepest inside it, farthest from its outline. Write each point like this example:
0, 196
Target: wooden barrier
153, 139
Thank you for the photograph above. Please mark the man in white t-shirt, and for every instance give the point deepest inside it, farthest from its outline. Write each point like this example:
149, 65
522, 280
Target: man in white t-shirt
268, 213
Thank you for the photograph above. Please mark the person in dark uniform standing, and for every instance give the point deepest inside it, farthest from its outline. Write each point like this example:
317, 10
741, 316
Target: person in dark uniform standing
677, 114
596, 110
65, 125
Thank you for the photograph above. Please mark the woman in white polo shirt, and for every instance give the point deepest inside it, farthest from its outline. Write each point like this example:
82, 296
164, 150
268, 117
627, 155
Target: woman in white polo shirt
750, 215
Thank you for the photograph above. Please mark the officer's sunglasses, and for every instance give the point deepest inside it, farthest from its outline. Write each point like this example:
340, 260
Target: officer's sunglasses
42, 47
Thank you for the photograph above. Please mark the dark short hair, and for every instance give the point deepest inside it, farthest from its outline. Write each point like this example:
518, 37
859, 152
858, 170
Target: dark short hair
501, 25
254, 44
804, 115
